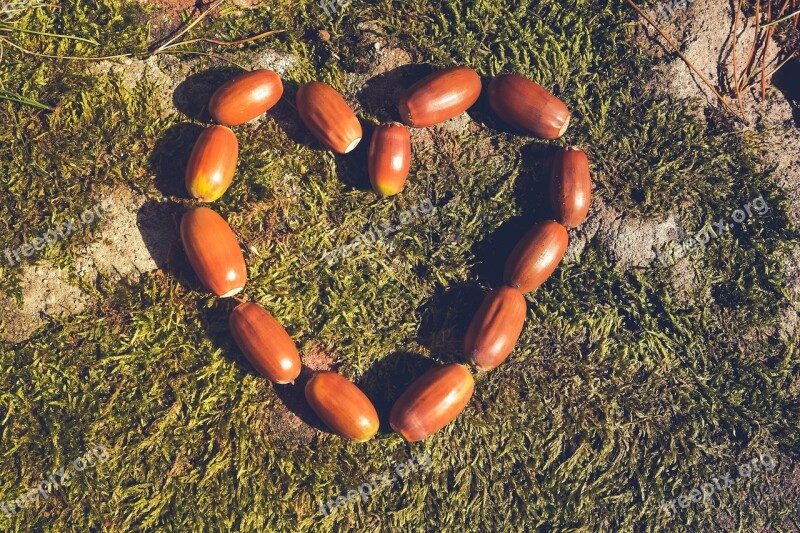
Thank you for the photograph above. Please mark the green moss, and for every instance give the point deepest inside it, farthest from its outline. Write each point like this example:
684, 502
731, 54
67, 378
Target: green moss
619, 395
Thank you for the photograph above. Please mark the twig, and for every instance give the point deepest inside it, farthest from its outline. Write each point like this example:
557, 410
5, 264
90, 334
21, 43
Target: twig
31, 52
683, 57
735, 65
767, 39
188, 27
782, 19
224, 43
776, 69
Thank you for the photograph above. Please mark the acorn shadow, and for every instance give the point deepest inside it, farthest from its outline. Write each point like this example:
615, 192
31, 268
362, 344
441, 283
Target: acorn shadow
381, 94
288, 119
170, 157
192, 95
386, 380
352, 168
787, 81
531, 189
159, 226
445, 318
293, 397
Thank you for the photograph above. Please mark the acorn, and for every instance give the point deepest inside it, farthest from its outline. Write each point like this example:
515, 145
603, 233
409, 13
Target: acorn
570, 186
328, 117
495, 328
432, 401
536, 256
528, 107
389, 158
265, 343
213, 252
440, 96
211, 166
245, 97
342, 406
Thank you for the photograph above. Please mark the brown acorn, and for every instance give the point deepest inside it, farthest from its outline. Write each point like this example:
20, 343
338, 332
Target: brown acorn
440, 96
213, 252
536, 256
495, 328
342, 406
265, 343
328, 117
245, 97
389, 158
570, 186
527, 106
432, 401
211, 166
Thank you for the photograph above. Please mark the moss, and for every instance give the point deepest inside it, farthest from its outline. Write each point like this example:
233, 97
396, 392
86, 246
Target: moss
619, 395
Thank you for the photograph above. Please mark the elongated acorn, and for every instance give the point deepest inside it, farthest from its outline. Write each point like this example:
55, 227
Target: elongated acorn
213, 252
389, 158
536, 256
265, 343
211, 166
527, 106
495, 328
432, 401
328, 117
342, 406
439, 96
245, 97
570, 186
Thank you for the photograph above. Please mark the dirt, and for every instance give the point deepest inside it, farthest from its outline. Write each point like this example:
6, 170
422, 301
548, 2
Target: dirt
120, 250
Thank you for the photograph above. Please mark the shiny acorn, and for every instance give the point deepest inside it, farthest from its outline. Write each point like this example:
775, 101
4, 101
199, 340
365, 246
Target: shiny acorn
527, 106
265, 343
439, 96
570, 186
211, 166
432, 401
245, 97
328, 117
213, 252
389, 158
536, 256
495, 328
342, 406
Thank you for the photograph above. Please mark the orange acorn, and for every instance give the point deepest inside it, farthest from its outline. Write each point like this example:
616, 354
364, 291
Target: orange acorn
495, 328
527, 106
211, 166
328, 117
389, 158
342, 406
265, 343
213, 252
570, 186
432, 401
536, 256
245, 97
440, 96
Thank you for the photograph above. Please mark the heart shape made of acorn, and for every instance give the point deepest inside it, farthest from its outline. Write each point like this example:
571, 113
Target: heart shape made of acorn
437, 397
